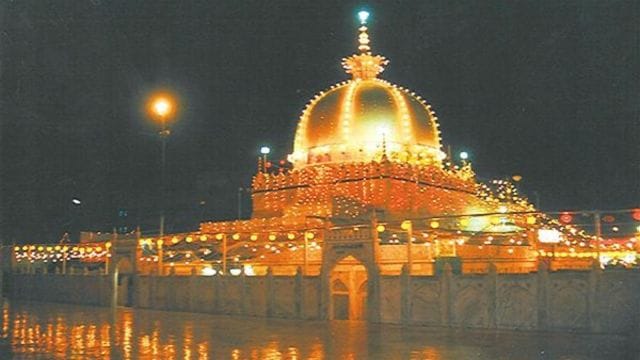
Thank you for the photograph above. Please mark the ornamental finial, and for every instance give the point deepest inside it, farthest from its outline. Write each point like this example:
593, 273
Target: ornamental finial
363, 37
364, 66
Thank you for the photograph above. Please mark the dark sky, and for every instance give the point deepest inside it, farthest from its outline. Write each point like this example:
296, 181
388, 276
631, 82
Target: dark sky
546, 89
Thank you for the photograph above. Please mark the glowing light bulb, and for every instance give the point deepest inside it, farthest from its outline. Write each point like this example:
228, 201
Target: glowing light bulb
363, 16
161, 107
406, 225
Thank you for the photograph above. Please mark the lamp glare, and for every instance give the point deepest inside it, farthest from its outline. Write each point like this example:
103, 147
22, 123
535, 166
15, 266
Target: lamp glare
363, 16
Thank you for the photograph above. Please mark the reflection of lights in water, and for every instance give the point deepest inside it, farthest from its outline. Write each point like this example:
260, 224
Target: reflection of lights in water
187, 337
49, 331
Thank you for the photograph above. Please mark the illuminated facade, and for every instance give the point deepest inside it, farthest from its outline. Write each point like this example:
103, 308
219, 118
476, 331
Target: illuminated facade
368, 191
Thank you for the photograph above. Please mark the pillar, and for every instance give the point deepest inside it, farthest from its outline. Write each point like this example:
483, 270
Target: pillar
299, 291
543, 296
192, 289
409, 246
492, 296
446, 301
405, 295
373, 293
224, 255
592, 308
160, 242
270, 293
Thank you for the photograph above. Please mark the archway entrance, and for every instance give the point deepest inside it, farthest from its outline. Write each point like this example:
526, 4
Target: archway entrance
124, 273
348, 284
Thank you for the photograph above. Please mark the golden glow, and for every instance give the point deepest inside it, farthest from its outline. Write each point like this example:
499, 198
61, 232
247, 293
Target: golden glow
434, 224
162, 106
406, 225
349, 122
235, 236
219, 236
380, 228
551, 236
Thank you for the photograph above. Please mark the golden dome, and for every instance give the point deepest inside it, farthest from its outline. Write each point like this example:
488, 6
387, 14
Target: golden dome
360, 119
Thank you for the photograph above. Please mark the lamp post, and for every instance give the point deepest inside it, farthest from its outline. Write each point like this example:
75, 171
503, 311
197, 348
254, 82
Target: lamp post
464, 156
265, 150
407, 226
75, 220
161, 108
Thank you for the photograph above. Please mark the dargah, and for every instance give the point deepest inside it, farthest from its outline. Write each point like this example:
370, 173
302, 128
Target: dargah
370, 218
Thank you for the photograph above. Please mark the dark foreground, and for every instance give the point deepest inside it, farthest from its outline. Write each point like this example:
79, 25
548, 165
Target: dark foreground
55, 331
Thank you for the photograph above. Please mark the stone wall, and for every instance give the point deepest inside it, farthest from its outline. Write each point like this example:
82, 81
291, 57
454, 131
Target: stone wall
72, 289
590, 301
273, 296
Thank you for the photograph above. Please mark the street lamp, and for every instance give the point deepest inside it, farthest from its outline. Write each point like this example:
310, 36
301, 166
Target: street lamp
464, 155
265, 150
161, 108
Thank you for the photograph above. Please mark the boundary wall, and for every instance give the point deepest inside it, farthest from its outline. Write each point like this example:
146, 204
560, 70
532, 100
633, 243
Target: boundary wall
586, 301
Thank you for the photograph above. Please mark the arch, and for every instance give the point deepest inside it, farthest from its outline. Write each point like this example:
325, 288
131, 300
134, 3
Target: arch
124, 271
348, 292
341, 249
369, 264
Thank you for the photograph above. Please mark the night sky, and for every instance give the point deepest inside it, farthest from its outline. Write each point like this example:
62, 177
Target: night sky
549, 90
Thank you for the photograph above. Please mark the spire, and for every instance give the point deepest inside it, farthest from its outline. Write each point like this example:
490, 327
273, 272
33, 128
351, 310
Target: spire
364, 66
363, 37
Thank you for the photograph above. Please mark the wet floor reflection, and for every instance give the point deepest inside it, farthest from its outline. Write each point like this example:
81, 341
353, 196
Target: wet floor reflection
56, 331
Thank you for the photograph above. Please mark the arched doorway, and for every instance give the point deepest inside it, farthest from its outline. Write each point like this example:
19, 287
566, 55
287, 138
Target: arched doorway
348, 285
124, 272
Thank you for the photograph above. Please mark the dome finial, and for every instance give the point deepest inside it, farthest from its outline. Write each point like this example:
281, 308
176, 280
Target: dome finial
363, 37
364, 66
